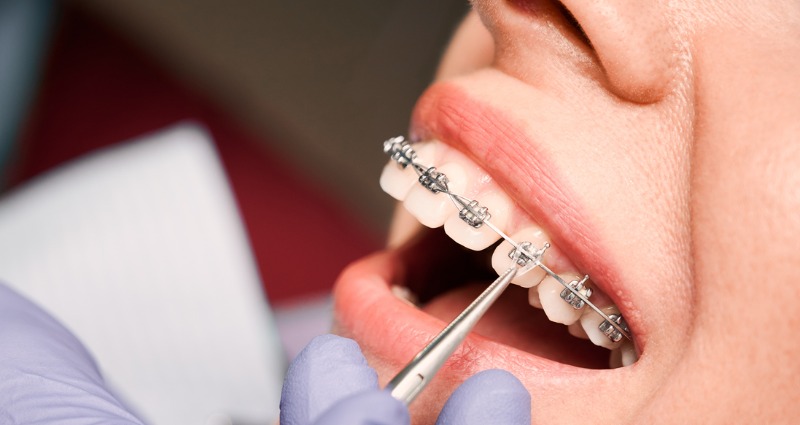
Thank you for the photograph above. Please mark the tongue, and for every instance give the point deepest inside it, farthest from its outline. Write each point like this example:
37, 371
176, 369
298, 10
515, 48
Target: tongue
513, 322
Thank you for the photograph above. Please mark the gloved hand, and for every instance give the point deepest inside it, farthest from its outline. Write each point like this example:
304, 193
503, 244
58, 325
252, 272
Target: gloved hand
46, 375
330, 383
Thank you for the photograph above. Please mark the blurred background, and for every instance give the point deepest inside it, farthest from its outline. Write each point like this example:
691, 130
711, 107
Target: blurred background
166, 165
296, 93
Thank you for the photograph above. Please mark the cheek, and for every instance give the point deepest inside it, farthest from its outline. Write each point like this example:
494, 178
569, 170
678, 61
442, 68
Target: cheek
635, 173
745, 229
746, 196
632, 166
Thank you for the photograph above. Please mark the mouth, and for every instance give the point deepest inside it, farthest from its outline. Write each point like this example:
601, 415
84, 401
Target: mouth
446, 269
441, 277
395, 301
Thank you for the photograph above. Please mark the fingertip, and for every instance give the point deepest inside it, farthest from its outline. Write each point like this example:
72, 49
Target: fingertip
332, 353
499, 379
489, 397
370, 407
328, 369
331, 344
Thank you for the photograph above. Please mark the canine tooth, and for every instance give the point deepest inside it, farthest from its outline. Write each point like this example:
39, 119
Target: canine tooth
500, 260
577, 331
590, 321
432, 209
480, 238
556, 309
533, 298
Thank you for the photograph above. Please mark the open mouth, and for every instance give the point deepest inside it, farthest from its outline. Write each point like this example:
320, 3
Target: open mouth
442, 278
445, 270
395, 301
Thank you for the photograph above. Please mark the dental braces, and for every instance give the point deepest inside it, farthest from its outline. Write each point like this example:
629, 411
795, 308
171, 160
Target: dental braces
524, 254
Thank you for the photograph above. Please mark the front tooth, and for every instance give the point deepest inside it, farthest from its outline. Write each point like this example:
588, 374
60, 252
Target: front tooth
501, 261
480, 238
556, 309
397, 181
432, 209
590, 321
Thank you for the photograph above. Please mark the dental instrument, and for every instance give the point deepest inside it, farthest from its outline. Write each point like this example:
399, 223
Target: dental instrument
575, 292
417, 374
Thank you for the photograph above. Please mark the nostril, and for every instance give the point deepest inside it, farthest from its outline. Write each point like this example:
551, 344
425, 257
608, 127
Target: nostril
529, 6
573, 23
634, 44
631, 41
556, 13
624, 47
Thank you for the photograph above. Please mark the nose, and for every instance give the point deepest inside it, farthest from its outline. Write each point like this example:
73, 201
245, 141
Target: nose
626, 45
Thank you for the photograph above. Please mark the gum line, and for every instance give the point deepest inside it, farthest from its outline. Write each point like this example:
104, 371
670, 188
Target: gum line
471, 212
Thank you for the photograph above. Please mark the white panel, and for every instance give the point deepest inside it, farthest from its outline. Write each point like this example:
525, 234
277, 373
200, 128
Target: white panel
140, 251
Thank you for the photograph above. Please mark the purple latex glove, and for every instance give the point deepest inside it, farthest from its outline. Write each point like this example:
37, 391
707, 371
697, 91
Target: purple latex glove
490, 397
46, 375
331, 383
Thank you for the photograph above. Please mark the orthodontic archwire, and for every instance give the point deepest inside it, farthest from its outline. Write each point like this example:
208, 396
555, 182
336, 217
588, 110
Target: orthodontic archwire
575, 292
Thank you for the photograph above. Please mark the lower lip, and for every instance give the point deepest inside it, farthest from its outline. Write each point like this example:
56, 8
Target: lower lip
391, 332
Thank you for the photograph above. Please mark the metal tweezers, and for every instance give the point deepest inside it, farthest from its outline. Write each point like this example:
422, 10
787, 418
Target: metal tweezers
419, 372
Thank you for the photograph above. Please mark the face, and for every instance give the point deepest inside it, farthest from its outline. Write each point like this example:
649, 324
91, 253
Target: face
655, 146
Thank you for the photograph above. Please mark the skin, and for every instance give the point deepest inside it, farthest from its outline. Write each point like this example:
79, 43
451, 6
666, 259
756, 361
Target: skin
675, 133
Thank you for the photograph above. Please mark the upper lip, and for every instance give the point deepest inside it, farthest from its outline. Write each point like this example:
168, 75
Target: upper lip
446, 112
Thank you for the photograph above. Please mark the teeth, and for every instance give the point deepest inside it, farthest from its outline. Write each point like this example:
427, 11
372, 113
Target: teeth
533, 298
405, 294
437, 209
590, 321
480, 238
615, 359
623, 356
500, 260
556, 309
576, 330
628, 352
398, 181
432, 209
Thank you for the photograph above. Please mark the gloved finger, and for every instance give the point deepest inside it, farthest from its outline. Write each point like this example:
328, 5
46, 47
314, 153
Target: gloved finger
374, 407
329, 369
490, 397
46, 375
